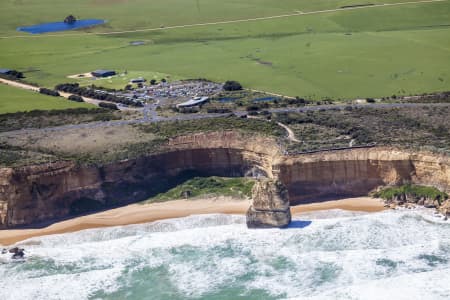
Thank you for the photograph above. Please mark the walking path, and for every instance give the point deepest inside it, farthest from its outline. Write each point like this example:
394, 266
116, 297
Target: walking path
291, 135
297, 13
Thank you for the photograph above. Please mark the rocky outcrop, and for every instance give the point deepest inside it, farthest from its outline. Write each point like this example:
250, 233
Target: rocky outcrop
39, 193
410, 201
445, 208
270, 207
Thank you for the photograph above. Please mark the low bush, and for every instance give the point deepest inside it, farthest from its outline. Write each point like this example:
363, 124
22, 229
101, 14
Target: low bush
49, 92
108, 105
76, 98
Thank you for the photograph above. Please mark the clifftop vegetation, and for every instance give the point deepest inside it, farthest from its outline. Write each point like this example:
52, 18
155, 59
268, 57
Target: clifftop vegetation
425, 128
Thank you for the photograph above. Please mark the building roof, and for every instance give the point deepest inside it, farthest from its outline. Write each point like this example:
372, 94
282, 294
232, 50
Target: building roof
103, 72
193, 102
5, 71
139, 79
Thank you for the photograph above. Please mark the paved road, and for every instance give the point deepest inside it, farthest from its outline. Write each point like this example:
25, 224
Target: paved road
296, 14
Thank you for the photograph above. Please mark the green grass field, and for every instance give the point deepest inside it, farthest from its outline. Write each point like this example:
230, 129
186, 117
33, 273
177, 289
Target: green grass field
15, 100
369, 52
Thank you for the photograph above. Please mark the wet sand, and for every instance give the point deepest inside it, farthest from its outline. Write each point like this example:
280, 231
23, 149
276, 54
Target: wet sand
143, 213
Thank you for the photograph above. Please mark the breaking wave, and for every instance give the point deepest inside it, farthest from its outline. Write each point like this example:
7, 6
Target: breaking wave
332, 255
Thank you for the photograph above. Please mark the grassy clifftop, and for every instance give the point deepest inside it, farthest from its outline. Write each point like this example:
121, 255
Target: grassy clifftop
104, 144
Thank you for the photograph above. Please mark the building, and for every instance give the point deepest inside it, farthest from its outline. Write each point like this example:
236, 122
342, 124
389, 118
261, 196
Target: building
193, 102
103, 73
138, 80
5, 71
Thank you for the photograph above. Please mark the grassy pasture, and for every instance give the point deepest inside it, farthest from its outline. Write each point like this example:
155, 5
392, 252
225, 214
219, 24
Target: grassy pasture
137, 14
15, 100
369, 52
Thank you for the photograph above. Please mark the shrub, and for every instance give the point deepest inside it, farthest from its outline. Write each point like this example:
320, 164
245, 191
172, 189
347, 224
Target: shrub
49, 92
232, 86
76, 98
108, 105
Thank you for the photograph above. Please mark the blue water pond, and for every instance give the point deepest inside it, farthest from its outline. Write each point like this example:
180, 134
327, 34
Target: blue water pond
60, 26
264, 99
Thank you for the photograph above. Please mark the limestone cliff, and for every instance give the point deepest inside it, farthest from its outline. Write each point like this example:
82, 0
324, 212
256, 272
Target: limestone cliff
270, 206
347, 173
43, 192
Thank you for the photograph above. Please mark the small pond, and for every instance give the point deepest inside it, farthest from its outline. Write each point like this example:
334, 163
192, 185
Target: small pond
60, 26
264, 99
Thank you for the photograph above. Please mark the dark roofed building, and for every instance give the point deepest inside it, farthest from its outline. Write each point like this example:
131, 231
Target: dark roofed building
103, 73
5, 71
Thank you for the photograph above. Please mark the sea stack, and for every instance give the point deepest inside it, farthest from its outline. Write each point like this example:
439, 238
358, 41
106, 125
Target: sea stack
271, 207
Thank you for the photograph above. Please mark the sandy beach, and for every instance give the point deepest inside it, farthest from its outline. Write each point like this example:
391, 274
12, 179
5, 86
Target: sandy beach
142, 213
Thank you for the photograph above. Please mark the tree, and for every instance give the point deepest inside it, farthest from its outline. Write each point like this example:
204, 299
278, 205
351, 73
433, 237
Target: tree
76, 98
153, 82
232, 85
163, 80
70, 19
108, 105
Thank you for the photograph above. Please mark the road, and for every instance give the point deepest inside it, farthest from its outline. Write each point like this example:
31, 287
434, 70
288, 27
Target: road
150, 114
148, 120
63, 94
295, 14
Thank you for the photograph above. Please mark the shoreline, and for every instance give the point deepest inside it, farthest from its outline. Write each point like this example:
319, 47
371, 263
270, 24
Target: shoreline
144, 213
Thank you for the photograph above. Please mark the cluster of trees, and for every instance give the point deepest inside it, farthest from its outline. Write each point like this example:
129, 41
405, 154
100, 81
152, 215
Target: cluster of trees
13, 75
154, 81
49, 92
187, 110
232, 85
215, 110
75, 88
257, 106
53, 112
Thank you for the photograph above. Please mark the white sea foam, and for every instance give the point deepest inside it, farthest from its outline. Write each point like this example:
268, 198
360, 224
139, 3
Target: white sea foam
403, 254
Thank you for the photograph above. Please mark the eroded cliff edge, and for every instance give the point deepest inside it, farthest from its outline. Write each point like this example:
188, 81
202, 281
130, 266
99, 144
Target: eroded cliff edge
39, 193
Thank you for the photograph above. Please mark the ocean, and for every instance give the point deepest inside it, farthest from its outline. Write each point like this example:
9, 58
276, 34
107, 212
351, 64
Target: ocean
332, 254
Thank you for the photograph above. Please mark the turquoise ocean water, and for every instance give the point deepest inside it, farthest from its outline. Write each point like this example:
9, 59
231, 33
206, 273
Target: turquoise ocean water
339, 255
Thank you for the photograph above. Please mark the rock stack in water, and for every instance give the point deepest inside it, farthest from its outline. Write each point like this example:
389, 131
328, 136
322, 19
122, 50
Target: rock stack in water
270, 206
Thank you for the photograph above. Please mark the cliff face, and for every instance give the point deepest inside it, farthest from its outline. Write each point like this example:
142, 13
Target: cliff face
44, 192
346, 173
40, 193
